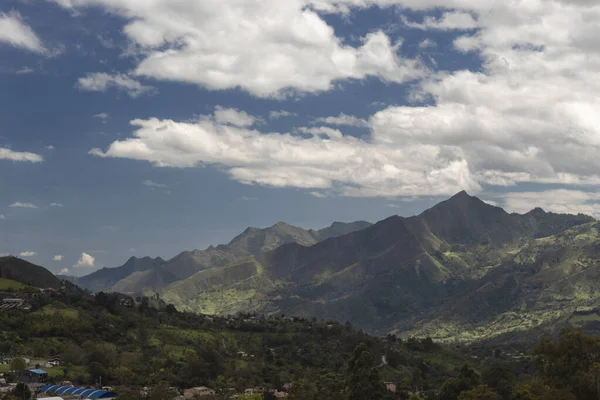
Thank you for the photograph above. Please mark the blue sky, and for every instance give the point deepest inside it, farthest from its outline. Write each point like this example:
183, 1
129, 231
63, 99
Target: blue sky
148, 128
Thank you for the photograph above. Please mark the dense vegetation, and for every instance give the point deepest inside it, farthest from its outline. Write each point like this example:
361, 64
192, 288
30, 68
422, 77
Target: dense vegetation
101, 337
131, 345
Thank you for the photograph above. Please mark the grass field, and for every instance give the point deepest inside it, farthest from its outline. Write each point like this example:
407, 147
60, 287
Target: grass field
7, 284
64, 312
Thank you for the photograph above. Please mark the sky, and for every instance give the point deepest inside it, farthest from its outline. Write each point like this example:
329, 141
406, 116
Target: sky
134, 128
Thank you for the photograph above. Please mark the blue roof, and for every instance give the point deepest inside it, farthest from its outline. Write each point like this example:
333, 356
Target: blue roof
84, 392
37, 371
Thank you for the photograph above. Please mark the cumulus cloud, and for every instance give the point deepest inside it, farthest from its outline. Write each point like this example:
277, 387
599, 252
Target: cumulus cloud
233, 117
102, 116
343, 119
101, 82
527, 114
451, 20
354, 167
8, 154
427, 44
322, 131
150, 183
85, 261
19, 204
15, 32
64, 271
58, 257
27, 254
268, 48
25, 71
280, 114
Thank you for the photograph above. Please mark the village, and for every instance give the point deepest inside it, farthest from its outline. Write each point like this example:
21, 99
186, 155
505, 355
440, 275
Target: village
37, 380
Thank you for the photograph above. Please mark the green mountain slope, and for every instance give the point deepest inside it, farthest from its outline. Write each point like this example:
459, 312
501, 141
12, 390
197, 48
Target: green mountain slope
151, 275
449, 273
137, 344
24, 272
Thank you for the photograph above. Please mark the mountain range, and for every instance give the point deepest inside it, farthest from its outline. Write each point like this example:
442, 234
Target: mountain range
147, 274
462, 270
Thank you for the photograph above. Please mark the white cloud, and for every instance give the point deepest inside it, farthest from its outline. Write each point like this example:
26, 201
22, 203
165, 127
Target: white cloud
322, 131
451, 20
2, 217
100, 82
56, 205
427, 44
318, 195
27, 254
50, 147
559, 201
528, 114
8, 154
354, 167
4, 254
64, 271
15, 32
154, 184
58, 257
343, 120
281, 114
25, 71
233, 117
102, 116
246, 198
19, 204
268, 47
85, 261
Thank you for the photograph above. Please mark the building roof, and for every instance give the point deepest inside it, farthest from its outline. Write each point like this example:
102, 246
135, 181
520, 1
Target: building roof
83, 392
37, 371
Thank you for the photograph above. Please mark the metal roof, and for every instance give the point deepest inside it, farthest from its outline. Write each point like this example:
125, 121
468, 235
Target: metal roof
83, 392
37, 371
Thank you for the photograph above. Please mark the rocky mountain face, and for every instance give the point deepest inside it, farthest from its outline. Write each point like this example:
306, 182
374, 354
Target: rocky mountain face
148, 274
461, 270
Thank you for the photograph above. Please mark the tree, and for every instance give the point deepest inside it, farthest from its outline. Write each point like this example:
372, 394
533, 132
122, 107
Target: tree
303, 390
482, 392
128, 393
22, 392
362, 377
466, 380
537, 390
500, 378
162, 391
18, 364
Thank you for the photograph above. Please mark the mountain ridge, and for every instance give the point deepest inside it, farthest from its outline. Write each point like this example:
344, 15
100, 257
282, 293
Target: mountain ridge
381, 276
157, 273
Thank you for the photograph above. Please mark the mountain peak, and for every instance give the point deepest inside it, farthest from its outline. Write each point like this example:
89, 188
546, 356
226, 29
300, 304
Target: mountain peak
462, 196
281, 224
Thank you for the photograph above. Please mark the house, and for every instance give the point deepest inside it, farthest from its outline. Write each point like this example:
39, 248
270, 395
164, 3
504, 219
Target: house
254, 391
54, 362
35, 375
278, 394
198, 392
390, 386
